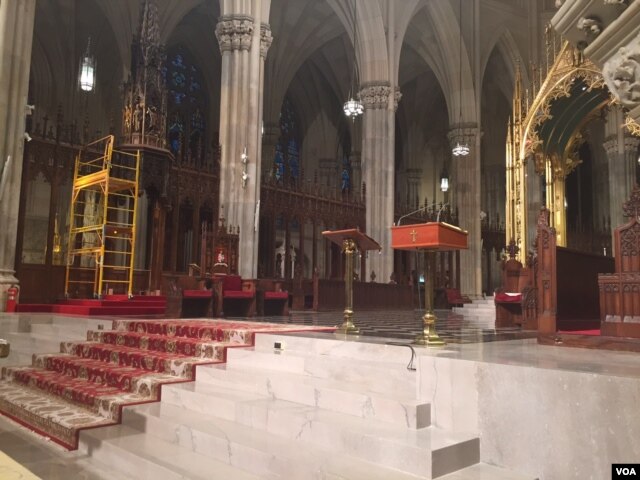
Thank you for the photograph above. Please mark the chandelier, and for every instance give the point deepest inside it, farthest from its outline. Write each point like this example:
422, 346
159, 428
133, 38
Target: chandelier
461, 148
354, 108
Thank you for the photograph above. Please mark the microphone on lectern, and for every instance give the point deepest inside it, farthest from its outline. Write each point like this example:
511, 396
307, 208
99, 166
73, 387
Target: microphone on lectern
422, 209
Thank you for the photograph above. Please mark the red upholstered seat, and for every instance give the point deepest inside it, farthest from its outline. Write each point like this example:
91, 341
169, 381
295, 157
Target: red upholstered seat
276, 295
238, 294
508, 297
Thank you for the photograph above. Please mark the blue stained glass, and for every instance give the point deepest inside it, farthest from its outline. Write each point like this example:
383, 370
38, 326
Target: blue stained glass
178, 79
294, 164
345, 185
279, 162
187, 101
178, 61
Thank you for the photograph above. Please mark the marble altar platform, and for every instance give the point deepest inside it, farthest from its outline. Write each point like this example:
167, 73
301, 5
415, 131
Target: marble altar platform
337, 407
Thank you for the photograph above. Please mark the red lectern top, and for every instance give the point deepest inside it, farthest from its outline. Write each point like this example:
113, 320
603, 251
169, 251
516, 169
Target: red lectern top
437, 236
363, 241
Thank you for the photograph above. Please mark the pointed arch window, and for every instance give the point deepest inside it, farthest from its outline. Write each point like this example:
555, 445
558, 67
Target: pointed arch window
287, 169
187, 104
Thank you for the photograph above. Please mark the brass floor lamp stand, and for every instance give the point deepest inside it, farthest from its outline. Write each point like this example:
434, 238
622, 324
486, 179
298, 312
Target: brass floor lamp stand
348, 327
428, 336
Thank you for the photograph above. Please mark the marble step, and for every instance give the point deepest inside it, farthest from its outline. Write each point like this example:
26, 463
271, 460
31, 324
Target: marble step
341, 396
256, 451
33, 342
391, 446
334, 346
61, 331
130, 452
373, 375
483, 471
16, 357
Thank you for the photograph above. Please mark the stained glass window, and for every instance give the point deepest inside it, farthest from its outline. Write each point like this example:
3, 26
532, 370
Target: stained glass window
286, 166
186, 125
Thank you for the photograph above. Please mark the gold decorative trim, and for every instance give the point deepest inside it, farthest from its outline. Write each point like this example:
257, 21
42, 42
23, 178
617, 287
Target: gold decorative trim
632, 126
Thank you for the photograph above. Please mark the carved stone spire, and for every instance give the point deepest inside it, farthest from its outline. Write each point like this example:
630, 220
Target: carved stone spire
145, 94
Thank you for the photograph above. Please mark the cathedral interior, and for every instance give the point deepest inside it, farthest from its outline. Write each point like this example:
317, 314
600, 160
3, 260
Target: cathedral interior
234, 137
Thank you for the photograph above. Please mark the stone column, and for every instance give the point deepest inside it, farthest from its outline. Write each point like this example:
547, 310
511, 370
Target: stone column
378, 166
465, 194
622, 150
16, 37
244, 41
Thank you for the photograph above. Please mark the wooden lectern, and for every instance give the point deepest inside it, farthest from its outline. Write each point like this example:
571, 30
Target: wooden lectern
430, 237
350, 240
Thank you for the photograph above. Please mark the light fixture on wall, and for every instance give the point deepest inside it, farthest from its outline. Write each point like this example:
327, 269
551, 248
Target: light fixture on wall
87, 75
444, 179
244, 159
461, 149
352, 107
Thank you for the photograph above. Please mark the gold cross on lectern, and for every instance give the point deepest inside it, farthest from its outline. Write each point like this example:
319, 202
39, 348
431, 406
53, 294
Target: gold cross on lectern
413, 234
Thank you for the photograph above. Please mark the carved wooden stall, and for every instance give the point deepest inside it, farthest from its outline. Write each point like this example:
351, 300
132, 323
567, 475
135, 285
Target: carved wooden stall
567, 290
306, 209
620, 291
515, 300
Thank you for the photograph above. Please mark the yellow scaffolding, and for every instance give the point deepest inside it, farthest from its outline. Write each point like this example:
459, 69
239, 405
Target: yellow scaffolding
103, 216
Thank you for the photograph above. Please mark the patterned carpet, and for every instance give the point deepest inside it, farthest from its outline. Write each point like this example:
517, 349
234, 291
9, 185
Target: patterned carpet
87, 384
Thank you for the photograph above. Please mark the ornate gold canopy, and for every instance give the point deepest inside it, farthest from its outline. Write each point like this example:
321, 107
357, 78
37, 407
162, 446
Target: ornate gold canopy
547, 128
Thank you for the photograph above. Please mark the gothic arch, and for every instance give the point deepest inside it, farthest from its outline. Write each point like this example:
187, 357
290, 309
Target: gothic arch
502, 40
438, 46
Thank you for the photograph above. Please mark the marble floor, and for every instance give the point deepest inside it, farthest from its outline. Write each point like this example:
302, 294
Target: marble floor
491, 404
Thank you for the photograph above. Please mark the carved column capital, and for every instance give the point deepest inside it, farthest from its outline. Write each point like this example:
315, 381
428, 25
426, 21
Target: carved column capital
266, 39
464, 133
234, 32
414, 175
622, 74
376, 95
610, 145
631, 144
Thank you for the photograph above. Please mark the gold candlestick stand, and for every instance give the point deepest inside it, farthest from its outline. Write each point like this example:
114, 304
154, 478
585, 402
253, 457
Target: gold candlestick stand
429, 336
349, 249
351, 241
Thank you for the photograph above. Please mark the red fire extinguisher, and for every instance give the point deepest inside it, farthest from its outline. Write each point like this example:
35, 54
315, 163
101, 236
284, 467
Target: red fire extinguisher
12, 299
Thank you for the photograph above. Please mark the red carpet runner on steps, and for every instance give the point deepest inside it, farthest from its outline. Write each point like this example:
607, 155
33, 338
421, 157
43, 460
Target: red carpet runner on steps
88, 383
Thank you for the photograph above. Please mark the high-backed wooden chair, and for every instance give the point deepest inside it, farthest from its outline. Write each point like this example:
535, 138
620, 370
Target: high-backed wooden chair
234, 296
515, 299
